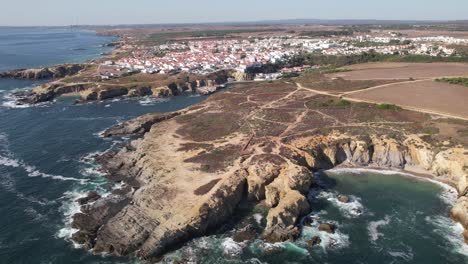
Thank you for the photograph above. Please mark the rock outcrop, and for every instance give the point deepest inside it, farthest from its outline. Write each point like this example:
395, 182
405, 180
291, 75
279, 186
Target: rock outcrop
459, 213
138, 126
53, 72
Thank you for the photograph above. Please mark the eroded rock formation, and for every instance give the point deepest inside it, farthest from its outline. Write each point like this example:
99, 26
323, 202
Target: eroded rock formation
53, 72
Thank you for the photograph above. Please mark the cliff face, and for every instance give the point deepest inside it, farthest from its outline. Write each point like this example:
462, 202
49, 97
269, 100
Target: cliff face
188, 172
92, 91
54, 72
165, 212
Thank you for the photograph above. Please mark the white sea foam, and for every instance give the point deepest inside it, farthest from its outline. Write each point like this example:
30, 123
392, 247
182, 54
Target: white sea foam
92, 172
8, 162
373, 227
258, 218
118, 185
329, 241
69, 208
11, 101
450, 230
232, 248
33, 172
351, 209
89, 158
405, 256
147, 101
270, 247
13, 104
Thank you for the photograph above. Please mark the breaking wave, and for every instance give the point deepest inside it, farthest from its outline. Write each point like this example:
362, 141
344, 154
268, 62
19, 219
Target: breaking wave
69, 208
32, 171
351, 209
232, 248
329, 241
450, 230
148, 101
11, 101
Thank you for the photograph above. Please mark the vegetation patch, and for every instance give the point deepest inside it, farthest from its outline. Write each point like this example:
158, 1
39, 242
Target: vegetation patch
430, 130
326, 33
217, 159
458, 81
328, 103
208, 126
388, 107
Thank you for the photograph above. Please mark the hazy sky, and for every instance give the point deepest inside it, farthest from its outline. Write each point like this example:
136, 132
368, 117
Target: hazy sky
66, 12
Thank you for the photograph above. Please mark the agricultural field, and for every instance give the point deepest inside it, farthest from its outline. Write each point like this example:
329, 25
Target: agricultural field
427, 95
390, 71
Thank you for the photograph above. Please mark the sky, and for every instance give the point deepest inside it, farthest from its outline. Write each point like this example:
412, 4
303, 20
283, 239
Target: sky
106, 12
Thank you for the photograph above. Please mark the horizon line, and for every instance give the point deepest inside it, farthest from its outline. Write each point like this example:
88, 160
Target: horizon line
292, 21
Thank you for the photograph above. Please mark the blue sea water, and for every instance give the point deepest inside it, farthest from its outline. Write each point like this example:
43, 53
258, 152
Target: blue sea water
42, 148
44, 167
35, 47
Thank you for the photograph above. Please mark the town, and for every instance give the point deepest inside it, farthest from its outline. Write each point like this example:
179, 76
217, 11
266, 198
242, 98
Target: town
206, 56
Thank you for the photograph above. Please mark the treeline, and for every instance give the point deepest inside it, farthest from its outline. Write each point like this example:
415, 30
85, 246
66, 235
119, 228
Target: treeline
377, 44
172, 36
327, 33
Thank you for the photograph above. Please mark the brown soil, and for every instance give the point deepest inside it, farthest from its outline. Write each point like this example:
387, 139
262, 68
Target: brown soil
389, 71
427, 95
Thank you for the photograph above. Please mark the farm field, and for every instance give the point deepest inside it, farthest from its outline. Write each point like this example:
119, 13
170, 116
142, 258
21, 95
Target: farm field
388, 71
424, 95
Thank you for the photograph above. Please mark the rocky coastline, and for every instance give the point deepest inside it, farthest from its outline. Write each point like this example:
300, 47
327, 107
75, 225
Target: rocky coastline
53, 72
97, 90
188, 172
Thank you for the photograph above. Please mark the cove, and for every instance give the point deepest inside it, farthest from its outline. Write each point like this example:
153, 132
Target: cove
390, 218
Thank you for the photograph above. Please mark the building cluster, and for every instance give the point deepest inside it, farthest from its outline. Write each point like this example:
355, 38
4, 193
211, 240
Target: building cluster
209, 55
205, 56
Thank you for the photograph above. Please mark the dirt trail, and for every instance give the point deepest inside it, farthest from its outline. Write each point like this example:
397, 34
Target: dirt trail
421, 110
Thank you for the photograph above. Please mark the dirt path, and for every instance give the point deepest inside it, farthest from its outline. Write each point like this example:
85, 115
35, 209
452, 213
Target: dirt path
382, 86
421, 110
426, 111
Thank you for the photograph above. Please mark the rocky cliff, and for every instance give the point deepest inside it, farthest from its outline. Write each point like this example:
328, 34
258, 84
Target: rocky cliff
53, 72
101, 90
187, 173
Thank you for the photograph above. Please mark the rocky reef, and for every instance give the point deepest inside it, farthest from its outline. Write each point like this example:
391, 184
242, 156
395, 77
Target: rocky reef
187, 172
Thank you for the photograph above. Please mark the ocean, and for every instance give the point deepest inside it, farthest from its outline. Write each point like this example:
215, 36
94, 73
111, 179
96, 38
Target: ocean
46, 164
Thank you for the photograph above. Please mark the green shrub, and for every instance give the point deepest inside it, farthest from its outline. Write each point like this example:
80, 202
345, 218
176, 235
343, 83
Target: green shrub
388, 107
458, 81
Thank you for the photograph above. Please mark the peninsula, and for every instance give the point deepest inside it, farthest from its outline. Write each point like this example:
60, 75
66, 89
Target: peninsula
255, 144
